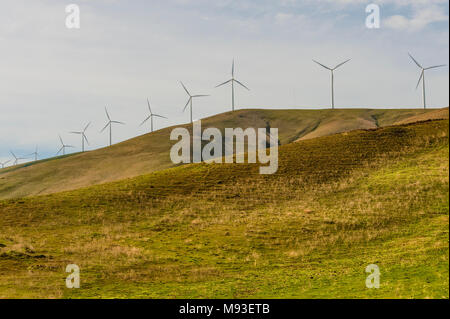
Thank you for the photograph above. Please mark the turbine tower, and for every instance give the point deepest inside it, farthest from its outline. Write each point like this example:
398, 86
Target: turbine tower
191, 97
332, 77
422, 78
232, 81
110, 123
83, 136
63, 146
16, 159
151, 116
4, 163
35, 153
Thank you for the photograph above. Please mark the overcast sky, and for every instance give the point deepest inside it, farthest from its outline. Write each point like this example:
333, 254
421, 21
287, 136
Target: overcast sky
55, 80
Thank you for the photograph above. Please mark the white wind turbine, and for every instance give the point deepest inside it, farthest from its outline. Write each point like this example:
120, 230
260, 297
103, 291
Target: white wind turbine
16, 159
35, 153
151, 116
63, 146
110, 123
332, 77
232, 81
3, 164
422, 78
191, 97
83, 136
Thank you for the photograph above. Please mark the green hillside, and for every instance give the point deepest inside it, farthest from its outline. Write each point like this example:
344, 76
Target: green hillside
150, 152
337, 204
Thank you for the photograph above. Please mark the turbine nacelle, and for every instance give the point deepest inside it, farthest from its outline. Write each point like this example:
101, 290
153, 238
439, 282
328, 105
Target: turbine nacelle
83, 136
191, 97
232, 81
110, 122
35, 153
3, 164
332, 69
63, 146
16, 159
422, 77
332, 77
151, 116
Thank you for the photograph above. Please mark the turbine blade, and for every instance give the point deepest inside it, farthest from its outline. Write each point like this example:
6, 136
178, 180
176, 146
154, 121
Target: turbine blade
341, 64
224, 83
200, 95
417, 63
436, 66
84, 136
86, 127
187, 103
75, 132
14, 155
145, 120
232, 69
149, 108
322, 65
60, 150
105, 127
185, 89
107, 114
421, 76
241, 84
160, 116
61, 139
117, 122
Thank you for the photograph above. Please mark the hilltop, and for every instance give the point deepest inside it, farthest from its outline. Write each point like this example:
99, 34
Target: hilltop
433, 115
337, 204
150, 152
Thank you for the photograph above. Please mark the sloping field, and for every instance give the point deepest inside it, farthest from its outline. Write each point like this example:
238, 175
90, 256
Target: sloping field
337, 204
433, 115
150, 152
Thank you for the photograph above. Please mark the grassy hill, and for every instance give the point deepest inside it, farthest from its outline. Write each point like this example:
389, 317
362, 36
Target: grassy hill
337, 204
150, 152
433, 115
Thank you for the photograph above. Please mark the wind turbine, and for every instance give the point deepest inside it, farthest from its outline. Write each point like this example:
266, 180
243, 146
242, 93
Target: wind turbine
83, 136
422, 77
16, 159
4, 163
35, 153
63, 146
151, 116
110, 123
191, 97
332, 77
233, 80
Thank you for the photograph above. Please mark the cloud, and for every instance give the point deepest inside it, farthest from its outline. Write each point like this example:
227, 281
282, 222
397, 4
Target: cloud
55, 80
399, 3
421, 18
282, 17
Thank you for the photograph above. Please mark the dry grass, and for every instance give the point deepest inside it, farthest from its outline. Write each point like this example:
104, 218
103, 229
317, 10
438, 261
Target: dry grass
337, 204
150, 152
